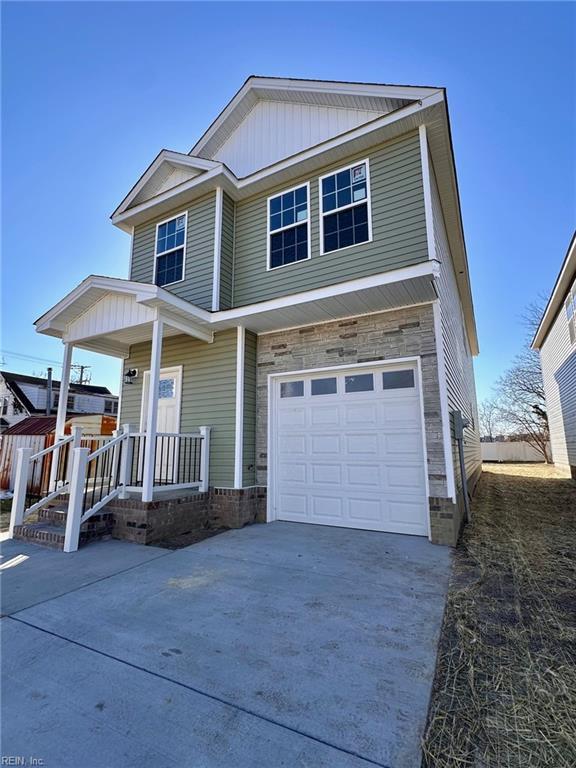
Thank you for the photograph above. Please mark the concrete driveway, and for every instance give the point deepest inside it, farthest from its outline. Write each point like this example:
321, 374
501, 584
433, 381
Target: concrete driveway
276, 645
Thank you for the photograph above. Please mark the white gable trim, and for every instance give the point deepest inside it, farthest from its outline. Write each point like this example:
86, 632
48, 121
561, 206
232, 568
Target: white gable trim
166, 156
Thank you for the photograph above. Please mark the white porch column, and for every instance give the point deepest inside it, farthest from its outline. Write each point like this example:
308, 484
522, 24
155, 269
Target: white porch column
61, 413
152, 411
239, 432
63, 392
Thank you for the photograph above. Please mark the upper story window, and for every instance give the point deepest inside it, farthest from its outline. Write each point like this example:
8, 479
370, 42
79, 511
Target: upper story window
571, 312
110, 406
345, 216
288, 227
170, 244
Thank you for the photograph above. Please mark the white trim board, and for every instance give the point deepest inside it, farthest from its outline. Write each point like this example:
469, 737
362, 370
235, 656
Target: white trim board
217, 249
239, 415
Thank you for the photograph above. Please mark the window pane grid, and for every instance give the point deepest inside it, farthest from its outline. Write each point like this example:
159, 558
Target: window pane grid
288, 227
345, 208
169, 267
170, 242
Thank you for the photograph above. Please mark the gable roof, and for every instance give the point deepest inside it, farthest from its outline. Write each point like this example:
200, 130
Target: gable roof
563, 283
15, 380
374, 98
167, 170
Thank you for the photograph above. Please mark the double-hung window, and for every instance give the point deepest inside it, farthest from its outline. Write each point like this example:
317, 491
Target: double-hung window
288, 227
170, 245
345, 217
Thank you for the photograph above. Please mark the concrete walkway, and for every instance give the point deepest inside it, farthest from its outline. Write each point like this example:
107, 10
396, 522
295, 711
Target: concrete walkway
277, 645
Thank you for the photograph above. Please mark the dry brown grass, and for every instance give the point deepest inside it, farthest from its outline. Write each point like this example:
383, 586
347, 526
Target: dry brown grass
505, 688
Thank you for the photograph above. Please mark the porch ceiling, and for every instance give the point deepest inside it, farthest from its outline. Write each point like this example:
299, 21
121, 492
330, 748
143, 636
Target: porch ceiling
357, 297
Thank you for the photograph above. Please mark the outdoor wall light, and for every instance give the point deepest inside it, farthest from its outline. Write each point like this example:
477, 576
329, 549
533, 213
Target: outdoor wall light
130, 374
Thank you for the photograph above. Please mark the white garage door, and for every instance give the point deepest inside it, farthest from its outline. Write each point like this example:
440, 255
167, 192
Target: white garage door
347, 449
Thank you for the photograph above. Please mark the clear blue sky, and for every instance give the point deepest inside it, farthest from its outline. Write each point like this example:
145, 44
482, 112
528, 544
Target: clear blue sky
91, 92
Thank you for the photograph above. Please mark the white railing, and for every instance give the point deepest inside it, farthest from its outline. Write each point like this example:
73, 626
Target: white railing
181, 461
92, 477
41, 477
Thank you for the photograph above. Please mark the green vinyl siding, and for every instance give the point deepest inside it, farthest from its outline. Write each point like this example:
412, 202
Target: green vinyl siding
227, 252
199, 253
249, 445
398, 223
208, 393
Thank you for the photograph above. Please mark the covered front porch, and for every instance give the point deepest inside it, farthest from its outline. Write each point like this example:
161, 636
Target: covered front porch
188, 402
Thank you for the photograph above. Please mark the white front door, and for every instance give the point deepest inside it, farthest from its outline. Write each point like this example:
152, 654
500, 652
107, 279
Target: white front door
169, 400
348, 449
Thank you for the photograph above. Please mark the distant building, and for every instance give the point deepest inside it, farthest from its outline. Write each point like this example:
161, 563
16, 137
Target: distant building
22, 396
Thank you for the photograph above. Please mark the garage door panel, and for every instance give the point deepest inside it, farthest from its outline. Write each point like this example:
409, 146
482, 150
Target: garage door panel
362, 444
363, 413
324, 415
354, 459
326, 507
290, 419
326, 473
365, 475
324, 444
292, 445
292, 472
294, 506
364, 510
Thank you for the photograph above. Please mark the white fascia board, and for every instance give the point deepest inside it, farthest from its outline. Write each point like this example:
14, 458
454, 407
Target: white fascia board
556, 300
240, 188
372, 281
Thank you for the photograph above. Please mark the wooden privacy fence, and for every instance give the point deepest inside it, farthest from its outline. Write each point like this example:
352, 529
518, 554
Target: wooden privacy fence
9, 444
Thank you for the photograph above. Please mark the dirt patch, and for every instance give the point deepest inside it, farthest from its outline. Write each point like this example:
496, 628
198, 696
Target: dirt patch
505, 686
186, 539
5, 507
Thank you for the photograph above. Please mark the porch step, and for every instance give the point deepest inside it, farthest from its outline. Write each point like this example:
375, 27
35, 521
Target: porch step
56, 515
46, 534
50, 529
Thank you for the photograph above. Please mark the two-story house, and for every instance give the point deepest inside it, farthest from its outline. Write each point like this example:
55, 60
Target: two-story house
22, 396
298, 283
555, 339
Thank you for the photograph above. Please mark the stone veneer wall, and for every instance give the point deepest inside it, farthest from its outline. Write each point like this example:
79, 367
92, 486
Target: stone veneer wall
370, 338
374, 338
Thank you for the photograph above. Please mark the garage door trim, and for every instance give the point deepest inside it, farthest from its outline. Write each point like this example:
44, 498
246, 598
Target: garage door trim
274, 380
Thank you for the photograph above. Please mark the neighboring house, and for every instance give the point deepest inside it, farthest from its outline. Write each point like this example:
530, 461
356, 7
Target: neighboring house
556, 340
299, 283
22, 396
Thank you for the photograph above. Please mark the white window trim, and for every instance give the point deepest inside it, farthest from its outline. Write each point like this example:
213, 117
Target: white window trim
290, 226
164, 253
345, 207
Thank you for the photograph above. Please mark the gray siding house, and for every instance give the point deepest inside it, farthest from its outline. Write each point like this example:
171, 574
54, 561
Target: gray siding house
556, 340
298, 284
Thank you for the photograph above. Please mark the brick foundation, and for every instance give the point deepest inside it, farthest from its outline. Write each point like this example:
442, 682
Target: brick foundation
148, 522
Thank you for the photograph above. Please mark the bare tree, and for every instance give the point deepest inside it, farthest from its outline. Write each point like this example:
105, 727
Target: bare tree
489, 417
519, 393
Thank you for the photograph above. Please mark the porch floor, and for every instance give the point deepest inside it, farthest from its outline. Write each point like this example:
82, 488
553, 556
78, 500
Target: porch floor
280, 644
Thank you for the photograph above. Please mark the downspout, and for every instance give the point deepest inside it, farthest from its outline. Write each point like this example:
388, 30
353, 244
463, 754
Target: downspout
460, 423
